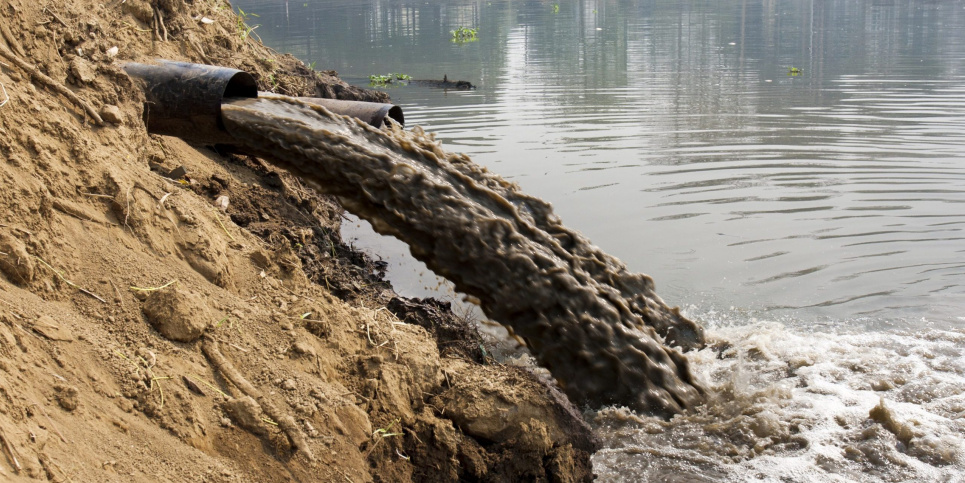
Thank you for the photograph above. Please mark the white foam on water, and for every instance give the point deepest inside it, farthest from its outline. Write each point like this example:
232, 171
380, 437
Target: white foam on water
790, 404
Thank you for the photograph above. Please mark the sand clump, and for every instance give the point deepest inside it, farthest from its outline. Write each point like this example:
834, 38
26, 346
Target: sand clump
273, 357
18, 266
177, 314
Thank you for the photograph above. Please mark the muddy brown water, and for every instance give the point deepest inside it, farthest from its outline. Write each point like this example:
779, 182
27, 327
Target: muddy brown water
596, 326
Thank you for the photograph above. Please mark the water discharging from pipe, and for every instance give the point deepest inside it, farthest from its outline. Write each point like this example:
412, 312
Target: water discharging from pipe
588, 320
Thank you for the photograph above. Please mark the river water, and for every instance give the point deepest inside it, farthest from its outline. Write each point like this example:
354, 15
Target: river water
791, 173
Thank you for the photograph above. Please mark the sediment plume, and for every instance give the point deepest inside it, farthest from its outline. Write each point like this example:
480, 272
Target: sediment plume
599, 329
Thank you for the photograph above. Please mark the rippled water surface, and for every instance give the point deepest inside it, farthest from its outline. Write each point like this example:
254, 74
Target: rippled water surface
792, 173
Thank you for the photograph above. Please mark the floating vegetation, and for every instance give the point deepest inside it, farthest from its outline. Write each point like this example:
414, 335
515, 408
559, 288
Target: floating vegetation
384, 80
794, 71
464, 34
556, 8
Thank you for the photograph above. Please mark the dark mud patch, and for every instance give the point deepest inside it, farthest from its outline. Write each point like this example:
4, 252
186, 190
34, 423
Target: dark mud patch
528, 428
301, 225
453, 334
445, 83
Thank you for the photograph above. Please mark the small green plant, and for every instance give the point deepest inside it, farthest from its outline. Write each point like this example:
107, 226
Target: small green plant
464, 34
556, 8
382, 433
244, 30
384, 80
244, 15
793, 71
386, 431
312, 65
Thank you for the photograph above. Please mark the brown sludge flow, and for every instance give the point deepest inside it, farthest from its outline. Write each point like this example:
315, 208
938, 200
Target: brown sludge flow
588, 320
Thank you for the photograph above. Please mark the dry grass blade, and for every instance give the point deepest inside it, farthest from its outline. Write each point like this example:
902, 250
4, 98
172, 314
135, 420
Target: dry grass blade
51, 421
10, 452
68, 282
137, 368
117, 291
153, 289
159, 390
5, 96
56, 17
211, 386
163, 198
222, 226
147, 367
54, 85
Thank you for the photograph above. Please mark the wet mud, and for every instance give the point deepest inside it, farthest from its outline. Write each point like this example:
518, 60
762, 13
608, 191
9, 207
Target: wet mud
601, 330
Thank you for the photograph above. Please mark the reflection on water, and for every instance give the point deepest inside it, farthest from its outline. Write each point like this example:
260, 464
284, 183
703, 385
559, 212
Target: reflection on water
676, 136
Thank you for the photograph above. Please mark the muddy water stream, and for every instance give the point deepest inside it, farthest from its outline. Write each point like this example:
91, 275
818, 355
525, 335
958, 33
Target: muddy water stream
586, 318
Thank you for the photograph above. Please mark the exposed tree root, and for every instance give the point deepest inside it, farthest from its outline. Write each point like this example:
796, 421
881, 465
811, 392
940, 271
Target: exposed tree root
52, 84
287, 423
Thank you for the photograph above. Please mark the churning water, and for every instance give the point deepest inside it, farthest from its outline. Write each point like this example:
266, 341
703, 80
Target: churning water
791, 172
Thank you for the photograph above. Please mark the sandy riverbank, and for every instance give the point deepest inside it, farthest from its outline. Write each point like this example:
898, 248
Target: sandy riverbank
273, 352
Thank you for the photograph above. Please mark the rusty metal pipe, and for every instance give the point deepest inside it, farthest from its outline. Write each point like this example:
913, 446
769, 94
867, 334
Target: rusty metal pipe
184, 99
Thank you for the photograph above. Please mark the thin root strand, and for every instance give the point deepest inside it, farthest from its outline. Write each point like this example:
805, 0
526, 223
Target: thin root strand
52, 84
285, 422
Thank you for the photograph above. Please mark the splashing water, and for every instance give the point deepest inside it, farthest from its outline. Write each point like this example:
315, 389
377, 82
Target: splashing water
593, 324
789, 406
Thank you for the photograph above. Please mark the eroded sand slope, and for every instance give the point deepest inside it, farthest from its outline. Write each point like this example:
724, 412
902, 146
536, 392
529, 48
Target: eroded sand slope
149, 334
